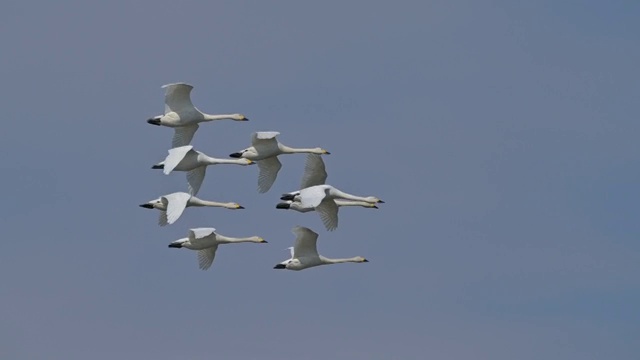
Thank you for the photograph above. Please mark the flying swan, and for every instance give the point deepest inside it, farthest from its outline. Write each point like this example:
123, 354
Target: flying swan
185, 158
172, 205
265, 149
304, 253
180, 114
205, 241
322, 198
315, 173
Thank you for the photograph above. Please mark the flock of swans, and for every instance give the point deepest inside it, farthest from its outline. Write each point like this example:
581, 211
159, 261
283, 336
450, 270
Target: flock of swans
314, 194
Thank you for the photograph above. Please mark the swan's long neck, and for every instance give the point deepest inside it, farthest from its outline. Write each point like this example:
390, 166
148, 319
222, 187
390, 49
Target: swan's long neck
289, 150
353, 203
209, 117
194, 201
231, 240
214, 161
344, 195
338, 261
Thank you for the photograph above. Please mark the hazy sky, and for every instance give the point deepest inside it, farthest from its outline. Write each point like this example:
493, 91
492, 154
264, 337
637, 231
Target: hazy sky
503, 136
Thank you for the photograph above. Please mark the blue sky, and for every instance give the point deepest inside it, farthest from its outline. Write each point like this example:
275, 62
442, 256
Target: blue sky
501, 134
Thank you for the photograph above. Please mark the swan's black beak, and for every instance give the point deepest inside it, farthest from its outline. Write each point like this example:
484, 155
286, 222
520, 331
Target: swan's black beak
245, 119
153, 121
365, 260
279, 206
380, 201
147, 206
280, 266
240, 207
288, 197
161, 166
236, 155
375, 207
172, 245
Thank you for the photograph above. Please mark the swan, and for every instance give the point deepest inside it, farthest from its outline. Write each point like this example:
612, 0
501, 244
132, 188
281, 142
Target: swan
185, 158
291, 205
265, 149
205, 241
172, 205
304, 253
180, 114
315, 173
321, 199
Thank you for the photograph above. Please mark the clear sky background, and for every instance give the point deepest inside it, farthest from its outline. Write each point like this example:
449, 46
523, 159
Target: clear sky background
503, 136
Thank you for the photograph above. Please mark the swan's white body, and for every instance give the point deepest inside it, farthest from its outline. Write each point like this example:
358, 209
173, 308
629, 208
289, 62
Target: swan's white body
322, 198
180, 114
205, 241
172, 206
265, 150
315, 173
194, 163
304, 253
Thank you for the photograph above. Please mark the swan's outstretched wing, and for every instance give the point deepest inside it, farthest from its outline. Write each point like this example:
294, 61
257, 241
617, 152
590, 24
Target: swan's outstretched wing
305, 243
175, 203
162, 219
262, 136
183, 135
314, 172
265, 141
206, 256
177, 97
268, 168
328, 211
204, 236
199, 234
195, 178
175, 156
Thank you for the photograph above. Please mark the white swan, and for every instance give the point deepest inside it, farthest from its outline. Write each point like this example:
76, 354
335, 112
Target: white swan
172, 205
205, 241
180, 114
265, 150
292, 205
322, 199
304, 253
185, 158
315, 173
